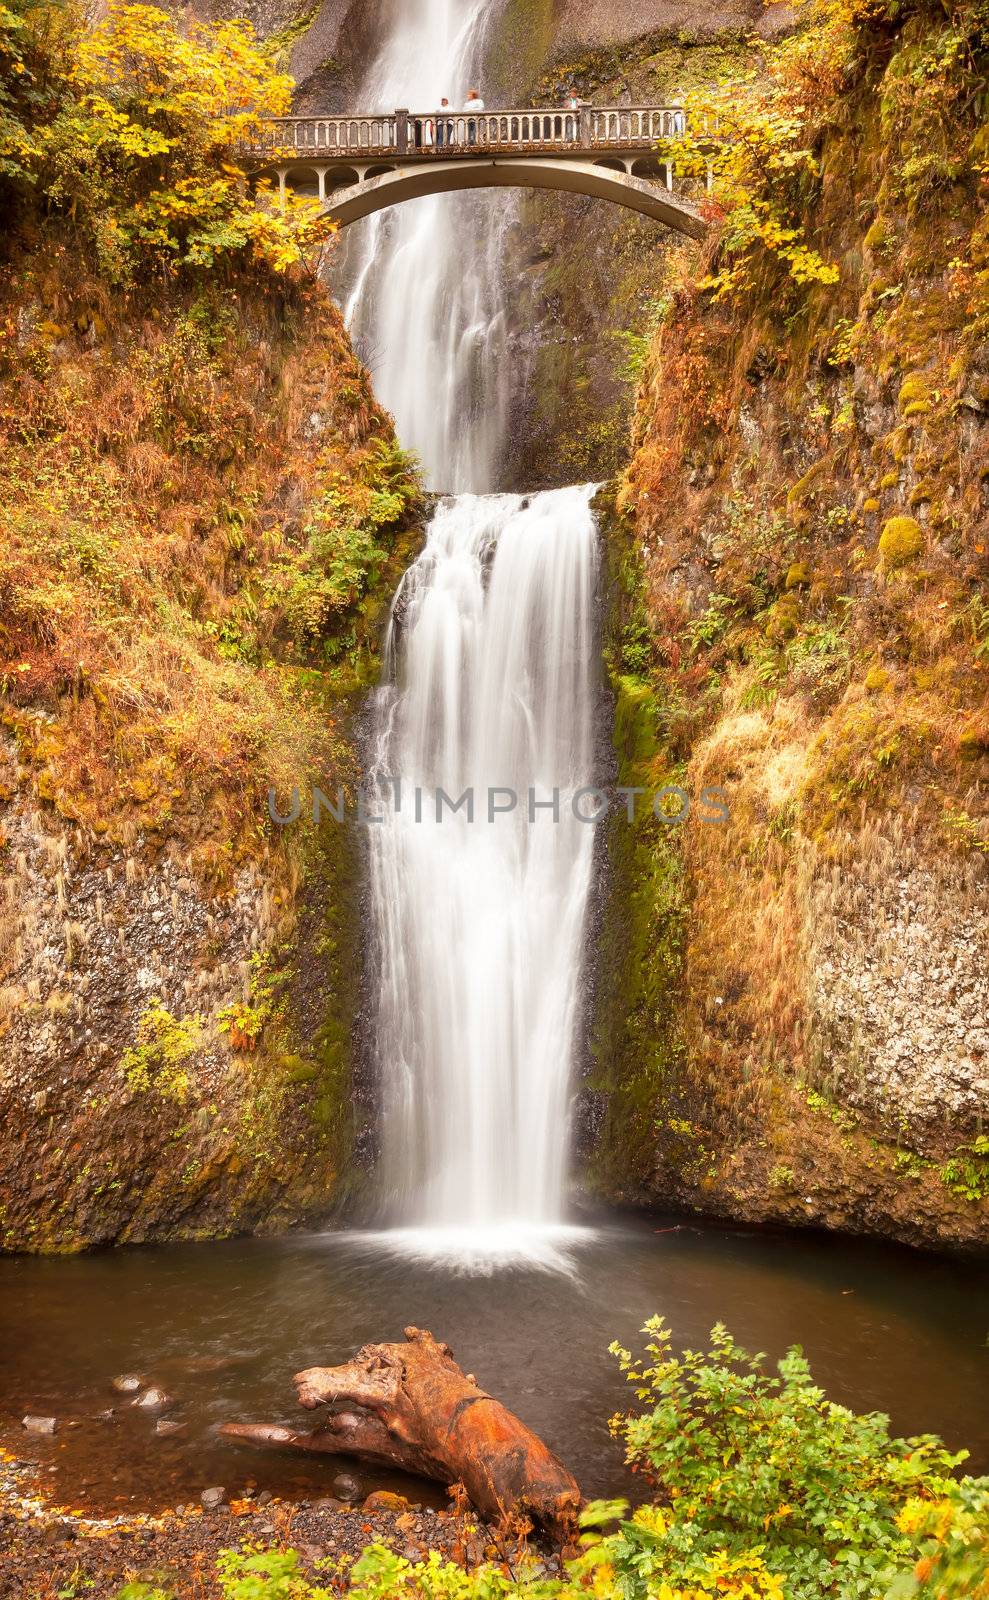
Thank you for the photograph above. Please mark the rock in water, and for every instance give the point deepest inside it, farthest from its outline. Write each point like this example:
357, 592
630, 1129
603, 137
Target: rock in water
127, 1383
39, 1424
346, 1487
153, 1399
164, 1429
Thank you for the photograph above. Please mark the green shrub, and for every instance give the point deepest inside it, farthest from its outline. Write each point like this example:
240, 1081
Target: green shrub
748, 1463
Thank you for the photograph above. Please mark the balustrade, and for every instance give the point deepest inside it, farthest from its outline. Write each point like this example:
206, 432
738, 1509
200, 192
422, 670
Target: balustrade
629, 128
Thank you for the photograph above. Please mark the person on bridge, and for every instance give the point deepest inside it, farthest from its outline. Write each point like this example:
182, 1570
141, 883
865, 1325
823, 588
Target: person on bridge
444, 129
473, 103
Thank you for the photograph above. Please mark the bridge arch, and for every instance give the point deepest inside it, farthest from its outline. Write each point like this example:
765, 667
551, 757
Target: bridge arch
381, 185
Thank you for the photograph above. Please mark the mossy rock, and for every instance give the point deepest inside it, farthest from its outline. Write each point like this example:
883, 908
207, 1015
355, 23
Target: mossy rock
799, 576
973, 744
979, 148
634, 735
783, 620
877, 679
298, 1070
901, 540
914, 390
898, 444
872, 504
922, 493
889, 480
877, 237
917, 408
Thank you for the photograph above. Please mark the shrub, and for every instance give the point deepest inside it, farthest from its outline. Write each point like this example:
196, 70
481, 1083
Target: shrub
754, 1464
769, 1492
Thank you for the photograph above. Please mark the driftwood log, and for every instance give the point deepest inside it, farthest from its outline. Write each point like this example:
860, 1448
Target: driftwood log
411, 1406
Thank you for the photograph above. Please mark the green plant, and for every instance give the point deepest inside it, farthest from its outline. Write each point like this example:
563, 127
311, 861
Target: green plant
781, 1177
255, 1574
966, 1174
156, 1061
130, 125
750, 1462
139, 1590
713, 622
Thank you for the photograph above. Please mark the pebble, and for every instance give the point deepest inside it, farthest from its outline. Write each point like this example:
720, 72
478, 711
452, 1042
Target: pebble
212, 1499
128, 1383
384, 1500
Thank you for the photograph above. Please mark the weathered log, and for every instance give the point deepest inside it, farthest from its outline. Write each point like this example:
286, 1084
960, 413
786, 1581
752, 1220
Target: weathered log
411, 1406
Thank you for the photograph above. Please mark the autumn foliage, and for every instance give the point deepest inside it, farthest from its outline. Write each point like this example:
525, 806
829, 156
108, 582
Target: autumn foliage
134, 131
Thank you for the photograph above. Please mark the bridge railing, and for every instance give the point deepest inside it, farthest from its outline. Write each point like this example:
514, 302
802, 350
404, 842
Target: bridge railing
405, 132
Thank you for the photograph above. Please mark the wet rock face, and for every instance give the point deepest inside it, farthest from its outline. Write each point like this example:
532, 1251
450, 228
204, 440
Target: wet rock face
900, 986
610, 22
180, 1131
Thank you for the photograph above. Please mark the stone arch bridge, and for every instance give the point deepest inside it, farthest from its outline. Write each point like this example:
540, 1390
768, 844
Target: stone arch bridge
358, 164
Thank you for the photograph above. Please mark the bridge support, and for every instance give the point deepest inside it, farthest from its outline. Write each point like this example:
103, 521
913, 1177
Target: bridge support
415, 180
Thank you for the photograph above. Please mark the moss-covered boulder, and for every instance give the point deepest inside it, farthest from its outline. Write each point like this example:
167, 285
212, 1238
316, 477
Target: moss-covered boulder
901, 541
799, 576
974, 743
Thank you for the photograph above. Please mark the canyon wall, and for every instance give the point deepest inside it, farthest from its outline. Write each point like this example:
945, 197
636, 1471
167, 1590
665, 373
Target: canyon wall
204, 514
794, 1014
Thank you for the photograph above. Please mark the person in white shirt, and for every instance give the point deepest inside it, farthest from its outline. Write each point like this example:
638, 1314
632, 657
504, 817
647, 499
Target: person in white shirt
473, 103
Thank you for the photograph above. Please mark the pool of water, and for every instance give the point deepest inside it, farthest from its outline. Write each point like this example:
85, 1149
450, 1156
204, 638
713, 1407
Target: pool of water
222, 1327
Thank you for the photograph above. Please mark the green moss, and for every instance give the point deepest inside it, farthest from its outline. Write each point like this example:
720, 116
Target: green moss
636, 1041
783, 619
877, 679
870, 505
799, 576
298, 1070
901, 540
635, 722
973, 743
913, 390
889, 480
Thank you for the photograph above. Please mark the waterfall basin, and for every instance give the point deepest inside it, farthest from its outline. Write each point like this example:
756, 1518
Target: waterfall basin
222, 1327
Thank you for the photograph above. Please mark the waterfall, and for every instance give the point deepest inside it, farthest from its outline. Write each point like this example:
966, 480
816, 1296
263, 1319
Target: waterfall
425, 304
479, 923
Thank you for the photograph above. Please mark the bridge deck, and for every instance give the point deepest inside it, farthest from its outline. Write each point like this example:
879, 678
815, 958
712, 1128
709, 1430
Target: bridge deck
449, 135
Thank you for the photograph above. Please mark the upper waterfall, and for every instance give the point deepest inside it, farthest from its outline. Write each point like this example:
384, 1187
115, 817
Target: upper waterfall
425, 301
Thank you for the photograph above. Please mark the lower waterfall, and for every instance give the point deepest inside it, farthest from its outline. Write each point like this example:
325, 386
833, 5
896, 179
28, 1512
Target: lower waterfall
479, 920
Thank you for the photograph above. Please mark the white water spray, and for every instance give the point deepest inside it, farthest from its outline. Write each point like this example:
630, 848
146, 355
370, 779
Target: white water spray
425, 304
480, 923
